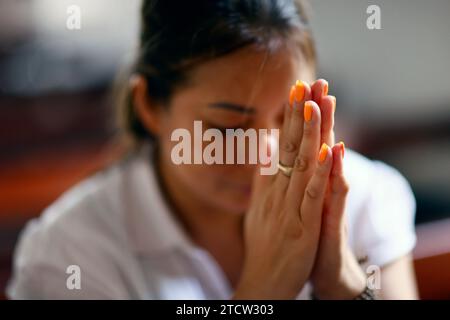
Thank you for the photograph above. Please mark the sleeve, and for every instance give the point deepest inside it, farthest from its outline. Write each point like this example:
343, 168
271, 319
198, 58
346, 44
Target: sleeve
387, 223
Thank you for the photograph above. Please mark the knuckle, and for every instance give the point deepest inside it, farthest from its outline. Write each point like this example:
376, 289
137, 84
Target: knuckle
289, 147
308, 131
322, 172
268, 205
345, 187
295, 230
341, 186
301, 163
312, 192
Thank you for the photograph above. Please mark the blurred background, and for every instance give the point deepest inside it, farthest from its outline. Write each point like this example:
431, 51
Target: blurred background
392, 86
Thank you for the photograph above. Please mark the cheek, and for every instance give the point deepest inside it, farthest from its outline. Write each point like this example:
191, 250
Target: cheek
214, 178
195, 176
214, 181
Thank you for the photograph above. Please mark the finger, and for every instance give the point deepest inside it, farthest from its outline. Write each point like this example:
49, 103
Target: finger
294, 123
285, 146
319, 89
287, 114
327, 108
302, 94
334, 215
313, 200
305, 161
293, 130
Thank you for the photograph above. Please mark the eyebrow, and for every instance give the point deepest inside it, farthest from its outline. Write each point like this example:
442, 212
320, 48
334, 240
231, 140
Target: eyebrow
233, 107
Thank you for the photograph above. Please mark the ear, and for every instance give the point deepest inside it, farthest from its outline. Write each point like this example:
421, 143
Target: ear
148, 112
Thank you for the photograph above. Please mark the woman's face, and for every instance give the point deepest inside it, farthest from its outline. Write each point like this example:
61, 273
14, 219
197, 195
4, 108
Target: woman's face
245, 89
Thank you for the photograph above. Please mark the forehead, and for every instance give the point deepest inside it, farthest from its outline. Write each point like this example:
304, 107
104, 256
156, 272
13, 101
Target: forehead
248, 75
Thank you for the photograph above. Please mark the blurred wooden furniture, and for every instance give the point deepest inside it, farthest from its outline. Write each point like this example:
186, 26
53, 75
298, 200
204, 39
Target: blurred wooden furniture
47, 144
30, 185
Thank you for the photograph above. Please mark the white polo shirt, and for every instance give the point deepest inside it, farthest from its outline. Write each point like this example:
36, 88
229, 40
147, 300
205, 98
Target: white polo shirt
116, 227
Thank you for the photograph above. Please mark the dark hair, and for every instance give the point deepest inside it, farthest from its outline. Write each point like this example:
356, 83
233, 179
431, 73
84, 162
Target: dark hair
178, 35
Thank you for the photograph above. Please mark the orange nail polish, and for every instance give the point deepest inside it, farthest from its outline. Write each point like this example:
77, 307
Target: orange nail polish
292, 96
299, 90
325, 89
323, 153
307, 112
342, 147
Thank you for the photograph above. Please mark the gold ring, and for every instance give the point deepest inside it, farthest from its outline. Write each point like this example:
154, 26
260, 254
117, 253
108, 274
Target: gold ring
287, 171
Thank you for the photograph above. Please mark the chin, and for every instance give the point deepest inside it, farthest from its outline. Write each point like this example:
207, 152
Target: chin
231, 197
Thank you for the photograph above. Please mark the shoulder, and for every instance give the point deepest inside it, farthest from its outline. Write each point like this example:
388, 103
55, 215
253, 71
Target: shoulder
372, 178
83, 227
380, 209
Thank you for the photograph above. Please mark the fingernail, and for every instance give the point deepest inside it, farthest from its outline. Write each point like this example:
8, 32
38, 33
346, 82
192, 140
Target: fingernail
299, 90
308, 110
292, 96
325, 89
323, 153
342, 148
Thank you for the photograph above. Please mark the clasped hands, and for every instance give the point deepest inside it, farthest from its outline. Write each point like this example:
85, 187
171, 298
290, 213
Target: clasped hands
295, 229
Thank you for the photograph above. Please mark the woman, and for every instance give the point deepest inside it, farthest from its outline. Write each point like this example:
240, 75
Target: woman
148, 228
